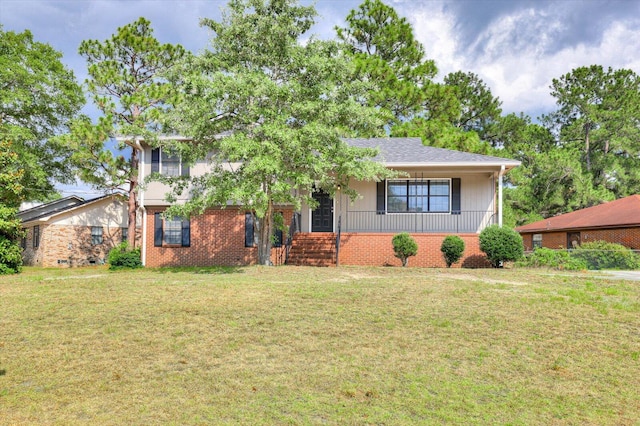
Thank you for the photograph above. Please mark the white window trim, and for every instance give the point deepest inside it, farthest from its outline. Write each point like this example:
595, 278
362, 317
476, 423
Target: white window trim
160, 163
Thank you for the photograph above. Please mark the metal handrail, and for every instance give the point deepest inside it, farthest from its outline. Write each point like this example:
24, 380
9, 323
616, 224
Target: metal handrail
338, 241
463, 221
293, 229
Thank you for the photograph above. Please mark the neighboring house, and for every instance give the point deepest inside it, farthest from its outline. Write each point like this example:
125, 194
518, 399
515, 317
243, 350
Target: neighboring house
616, 222
444, 192
73, 232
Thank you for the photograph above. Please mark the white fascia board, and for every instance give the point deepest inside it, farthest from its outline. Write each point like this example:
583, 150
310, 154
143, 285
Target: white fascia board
507, 164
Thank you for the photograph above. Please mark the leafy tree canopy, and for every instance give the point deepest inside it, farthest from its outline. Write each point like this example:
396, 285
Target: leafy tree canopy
283, 107
126, 82
38, 96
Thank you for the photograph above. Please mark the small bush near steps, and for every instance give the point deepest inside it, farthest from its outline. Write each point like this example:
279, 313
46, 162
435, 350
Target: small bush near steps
452, 248
404, 246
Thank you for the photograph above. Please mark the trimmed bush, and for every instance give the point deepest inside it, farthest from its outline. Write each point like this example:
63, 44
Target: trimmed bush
559, 259
121, 256
501, 245
404, 246
605, 255
452, 248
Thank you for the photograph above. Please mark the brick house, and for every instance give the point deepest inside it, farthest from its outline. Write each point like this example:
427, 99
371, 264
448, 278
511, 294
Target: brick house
616, 222
444, 192
72, 231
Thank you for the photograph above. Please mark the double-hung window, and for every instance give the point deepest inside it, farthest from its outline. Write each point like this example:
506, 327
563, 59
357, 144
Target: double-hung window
174, 232
96, 235
167, 163
249, 230
419, 196
537, 241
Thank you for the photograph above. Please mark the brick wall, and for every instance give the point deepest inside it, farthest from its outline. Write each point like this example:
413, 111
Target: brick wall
67, 246
376, 249
628, 237
217, 239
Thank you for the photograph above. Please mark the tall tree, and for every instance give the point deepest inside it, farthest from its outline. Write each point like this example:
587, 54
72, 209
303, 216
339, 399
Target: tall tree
478, 108
127, 84
38, 97
11, 193
283, 105
551, 179
388, 54
598, 114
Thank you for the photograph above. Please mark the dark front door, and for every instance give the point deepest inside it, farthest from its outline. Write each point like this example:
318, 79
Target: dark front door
322, 216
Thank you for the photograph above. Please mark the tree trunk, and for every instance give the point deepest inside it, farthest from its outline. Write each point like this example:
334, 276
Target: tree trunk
133, 199
265, 230
587, 148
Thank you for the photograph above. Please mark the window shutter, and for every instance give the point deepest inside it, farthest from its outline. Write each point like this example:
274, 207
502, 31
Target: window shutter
186, 233
157, 230
455, 196
155, 160
248, 230
380, 197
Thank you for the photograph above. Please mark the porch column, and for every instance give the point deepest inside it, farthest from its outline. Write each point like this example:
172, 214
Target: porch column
500, 195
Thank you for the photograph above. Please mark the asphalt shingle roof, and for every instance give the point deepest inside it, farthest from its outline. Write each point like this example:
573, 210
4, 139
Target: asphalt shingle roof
412, 151
55, 207
614, 214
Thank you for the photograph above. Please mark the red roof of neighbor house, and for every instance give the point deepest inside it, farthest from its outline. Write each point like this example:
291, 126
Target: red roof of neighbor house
614, 214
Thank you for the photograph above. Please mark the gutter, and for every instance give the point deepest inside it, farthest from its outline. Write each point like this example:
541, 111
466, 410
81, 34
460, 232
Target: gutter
500, 175
141, 164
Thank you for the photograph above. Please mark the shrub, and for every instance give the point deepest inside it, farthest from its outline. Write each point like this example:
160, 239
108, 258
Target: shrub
404, 246
559, 259
605, 255
501, 245
121, 256
10, 257
452, 248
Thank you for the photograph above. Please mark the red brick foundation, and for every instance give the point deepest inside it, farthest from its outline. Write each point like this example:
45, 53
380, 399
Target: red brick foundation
217, 239
376, 249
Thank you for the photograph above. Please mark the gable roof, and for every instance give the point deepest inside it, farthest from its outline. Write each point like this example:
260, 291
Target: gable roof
44, 212
411, 152
614, 214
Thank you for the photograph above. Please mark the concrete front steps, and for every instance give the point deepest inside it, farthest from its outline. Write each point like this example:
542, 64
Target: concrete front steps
313, 249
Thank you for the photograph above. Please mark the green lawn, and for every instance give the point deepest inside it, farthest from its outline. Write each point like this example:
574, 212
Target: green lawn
295, 345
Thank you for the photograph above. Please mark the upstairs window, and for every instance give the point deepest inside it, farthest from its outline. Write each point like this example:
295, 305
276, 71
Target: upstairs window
167, 164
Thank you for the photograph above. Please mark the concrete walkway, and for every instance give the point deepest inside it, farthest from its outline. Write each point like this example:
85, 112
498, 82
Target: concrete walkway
621, 275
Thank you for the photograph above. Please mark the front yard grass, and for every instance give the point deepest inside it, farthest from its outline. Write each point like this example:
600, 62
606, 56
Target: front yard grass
296, 345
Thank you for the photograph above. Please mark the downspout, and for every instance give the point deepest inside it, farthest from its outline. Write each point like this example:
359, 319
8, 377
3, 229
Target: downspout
141, 164
502, 168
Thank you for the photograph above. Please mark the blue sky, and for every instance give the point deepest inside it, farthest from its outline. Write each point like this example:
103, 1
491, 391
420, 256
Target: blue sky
516, 46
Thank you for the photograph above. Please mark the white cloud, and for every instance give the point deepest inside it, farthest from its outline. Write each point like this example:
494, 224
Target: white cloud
519, 53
